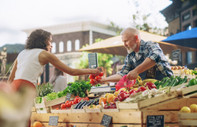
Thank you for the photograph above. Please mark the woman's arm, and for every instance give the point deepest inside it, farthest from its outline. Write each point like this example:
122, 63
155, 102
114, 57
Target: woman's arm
13, 71
47, 57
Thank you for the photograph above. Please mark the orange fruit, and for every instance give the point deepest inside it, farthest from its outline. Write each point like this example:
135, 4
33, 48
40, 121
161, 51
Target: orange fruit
193, 107
185, 109
37, 124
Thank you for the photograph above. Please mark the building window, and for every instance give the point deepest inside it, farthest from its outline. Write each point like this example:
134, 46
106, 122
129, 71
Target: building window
186, 16
61, 46
194, 12
189, 57
69, 45
53, 50
77, 44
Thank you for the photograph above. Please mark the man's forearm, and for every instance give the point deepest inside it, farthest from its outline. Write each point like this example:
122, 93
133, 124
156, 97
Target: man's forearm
147, 64
112, 78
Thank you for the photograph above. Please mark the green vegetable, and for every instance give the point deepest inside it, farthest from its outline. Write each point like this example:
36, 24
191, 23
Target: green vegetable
194, 72
192, 82
51, 96
78, 88
38, 100
183, 80
60, 94
44, 89
167, 81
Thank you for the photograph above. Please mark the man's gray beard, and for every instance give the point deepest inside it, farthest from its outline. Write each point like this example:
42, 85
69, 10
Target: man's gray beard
129, 51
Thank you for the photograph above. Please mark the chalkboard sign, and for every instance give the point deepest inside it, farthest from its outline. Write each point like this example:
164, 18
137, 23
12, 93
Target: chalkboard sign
92, 60
176, 55
155, 121
53, 120
68, 95
106, 120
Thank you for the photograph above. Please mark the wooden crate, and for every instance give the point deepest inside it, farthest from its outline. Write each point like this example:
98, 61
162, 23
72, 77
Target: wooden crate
187, 119
127, 105
122, 118
170, 109
157, 100
190, 92
41, 107
55, 101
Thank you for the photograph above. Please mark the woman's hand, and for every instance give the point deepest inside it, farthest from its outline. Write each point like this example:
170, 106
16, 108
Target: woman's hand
96, 71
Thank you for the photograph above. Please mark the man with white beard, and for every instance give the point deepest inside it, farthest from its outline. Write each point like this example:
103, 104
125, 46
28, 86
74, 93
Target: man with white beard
145, 59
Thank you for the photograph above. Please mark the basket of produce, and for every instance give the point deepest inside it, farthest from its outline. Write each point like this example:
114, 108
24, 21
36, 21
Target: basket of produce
188, 115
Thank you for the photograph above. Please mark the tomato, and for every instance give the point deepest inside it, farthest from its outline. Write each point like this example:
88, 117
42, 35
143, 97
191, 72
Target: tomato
91, 76
79, 100
67, 101
86, 98
76, 100
72, 103
63, 106
101, 74
97, 78
69, 104
92, 81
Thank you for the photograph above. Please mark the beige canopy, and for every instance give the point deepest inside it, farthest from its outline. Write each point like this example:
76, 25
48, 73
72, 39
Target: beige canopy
114, 45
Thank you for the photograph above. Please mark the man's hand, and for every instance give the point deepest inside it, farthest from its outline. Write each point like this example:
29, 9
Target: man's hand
132, 75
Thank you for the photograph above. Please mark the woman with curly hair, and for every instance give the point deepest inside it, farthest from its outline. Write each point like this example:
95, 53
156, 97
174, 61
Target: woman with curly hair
29, 65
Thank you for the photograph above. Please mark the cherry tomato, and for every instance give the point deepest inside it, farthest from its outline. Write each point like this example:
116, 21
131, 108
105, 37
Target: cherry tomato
91, 76
72, 103
97, 78
76, 100
63, 106
101, 74
69, 104
92, 81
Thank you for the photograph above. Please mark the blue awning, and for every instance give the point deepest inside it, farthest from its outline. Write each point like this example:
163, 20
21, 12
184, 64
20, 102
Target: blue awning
186, 38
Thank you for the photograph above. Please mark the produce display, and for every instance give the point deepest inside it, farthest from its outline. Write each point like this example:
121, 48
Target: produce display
130, 92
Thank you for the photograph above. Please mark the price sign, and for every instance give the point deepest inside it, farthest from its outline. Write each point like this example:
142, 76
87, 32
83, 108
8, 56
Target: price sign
106, 120
68, 95
155, 121
53, 120
176, 55
92, 60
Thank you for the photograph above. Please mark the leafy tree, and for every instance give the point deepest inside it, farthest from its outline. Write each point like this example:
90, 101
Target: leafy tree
115, 28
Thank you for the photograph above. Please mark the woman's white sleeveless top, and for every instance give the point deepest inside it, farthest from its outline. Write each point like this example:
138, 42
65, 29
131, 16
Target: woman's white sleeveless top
28, 65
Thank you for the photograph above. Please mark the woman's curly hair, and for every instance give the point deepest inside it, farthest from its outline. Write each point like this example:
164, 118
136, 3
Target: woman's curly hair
38, 39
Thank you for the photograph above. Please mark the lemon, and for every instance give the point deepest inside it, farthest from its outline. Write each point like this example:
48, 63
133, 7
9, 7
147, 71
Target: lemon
193, 107
185, 109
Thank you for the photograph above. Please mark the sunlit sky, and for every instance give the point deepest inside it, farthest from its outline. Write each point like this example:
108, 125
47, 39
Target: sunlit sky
16, 15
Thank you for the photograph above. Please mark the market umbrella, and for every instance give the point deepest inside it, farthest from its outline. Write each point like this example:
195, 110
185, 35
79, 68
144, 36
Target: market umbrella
114, 45
186, 38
